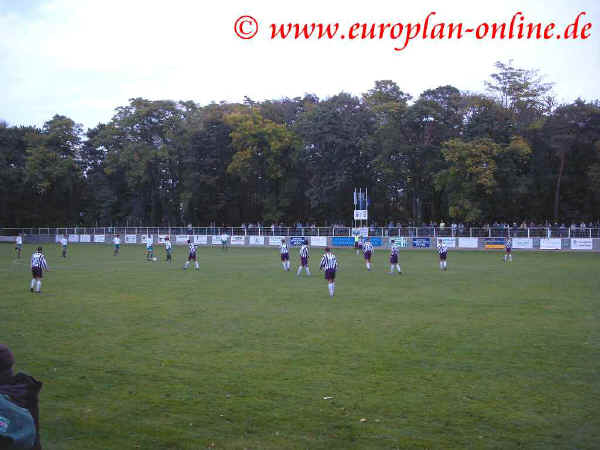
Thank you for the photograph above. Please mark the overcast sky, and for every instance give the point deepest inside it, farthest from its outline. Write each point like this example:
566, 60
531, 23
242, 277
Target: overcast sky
84, 58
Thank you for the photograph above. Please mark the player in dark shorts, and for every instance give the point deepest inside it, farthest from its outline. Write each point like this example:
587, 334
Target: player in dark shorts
303, 259
191, 256
329, 265
443, 252
508, 250
368, 251
285, 255
38, 265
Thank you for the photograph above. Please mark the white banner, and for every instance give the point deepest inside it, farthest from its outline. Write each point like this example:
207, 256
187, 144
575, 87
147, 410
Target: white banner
522, 243
360, 231
85, 238
73, 238
215, 239
449, 242
582, 244
238, 240
360, 214
318, 241
550, 244
161, 238
200, 239
256, 240
99, 238
275, 240
181, 239
130, 238
469, 242
147, 237
58, 237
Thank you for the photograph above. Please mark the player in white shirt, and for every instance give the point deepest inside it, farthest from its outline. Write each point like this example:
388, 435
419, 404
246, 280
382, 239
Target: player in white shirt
285, 255
394, 258
443, 252
149, 249
191, 256
168, 249
303, 259
224, 238
19, 245
64, 241
368, 252
38, 265
117, 244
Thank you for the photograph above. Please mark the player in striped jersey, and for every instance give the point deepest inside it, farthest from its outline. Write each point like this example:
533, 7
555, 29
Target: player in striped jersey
117, 243
304, 259
191, 256
508, 248
38, 265
443, 252
285, 255
368, 251
394, 258
168, 248
329, 264
64, 241
149, 248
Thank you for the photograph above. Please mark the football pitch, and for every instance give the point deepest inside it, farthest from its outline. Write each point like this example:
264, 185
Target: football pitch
145, 355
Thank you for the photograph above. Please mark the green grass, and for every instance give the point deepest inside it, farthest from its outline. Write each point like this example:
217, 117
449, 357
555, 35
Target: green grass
241, 354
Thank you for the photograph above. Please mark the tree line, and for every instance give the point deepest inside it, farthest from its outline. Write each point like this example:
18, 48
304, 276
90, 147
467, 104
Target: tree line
510, 154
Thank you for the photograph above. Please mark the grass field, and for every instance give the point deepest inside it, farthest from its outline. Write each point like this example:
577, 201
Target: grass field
136, 354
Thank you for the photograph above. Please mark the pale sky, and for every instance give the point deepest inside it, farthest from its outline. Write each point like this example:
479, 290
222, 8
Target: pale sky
85, 58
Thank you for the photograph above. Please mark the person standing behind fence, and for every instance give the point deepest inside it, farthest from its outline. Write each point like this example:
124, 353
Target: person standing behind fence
19, 245
117, 244
38, 265
64, 242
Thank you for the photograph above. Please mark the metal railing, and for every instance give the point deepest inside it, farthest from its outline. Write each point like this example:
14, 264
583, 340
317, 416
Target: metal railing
539, 232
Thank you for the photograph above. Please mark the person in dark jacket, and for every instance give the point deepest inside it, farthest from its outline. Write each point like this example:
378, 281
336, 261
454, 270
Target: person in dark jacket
21, 388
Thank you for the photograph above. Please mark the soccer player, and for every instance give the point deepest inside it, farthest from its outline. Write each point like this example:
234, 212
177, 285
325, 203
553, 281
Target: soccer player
394, 258
360, 244
285, 255
168, 248
356, 239
508, 248
443, 252
368, 251
64, 241
191, 256
117, 243
149, 249
329, 264
224, 238
38, 265
19, 245
303, 259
